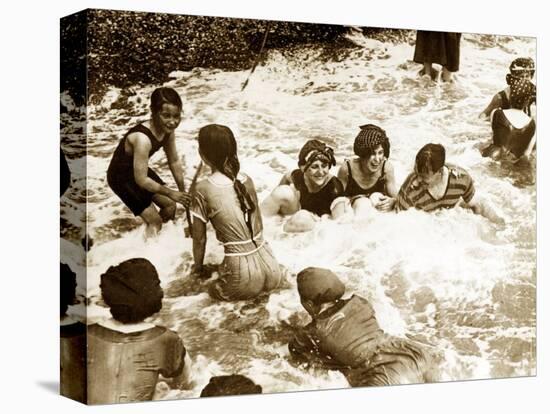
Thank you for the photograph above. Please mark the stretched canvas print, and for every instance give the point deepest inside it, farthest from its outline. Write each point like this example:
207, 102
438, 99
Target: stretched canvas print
252, 206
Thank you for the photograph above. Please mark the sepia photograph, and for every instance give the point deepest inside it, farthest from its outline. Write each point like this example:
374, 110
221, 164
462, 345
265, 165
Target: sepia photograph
275, 207
208, 151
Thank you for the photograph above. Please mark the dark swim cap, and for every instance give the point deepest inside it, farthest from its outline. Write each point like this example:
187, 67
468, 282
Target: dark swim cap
369, 137
314, 150
230, 385
132, 290
319, 285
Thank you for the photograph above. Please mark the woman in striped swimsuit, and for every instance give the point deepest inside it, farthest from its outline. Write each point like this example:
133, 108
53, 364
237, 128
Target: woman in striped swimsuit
434, 185
228, 200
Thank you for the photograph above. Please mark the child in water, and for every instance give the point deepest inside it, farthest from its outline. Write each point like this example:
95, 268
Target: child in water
228, 200
129, 175
127, 354
308, 192
345, 335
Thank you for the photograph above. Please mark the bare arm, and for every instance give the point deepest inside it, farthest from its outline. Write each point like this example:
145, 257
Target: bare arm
391, 186
286, 179
343, 174
485, 209
495, 103
199, 243
174, 161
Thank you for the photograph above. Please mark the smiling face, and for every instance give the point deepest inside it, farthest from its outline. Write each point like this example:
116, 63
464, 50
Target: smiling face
168, 118
374, 162
317, 172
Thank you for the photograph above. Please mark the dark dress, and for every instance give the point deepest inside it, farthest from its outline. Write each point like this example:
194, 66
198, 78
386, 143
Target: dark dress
120, 174
354, 190
124, 367
438, 47
318, 203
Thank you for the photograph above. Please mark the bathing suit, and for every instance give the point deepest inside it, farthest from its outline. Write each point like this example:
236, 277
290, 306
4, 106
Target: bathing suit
120, 174
124, 367
320, 202
515, 140
347, 337
249, 267
459, 185
354, 190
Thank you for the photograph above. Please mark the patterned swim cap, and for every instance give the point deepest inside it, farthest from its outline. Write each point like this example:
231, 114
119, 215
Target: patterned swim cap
522, 92
522, 65
314, 150
368, 139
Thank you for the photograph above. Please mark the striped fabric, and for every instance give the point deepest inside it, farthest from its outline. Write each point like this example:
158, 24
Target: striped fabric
460, 185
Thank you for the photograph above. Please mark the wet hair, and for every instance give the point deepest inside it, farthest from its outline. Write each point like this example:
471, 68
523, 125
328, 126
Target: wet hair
132, 290
430, 158
67, 293
368, 139
224, 385
218, 146
161, 96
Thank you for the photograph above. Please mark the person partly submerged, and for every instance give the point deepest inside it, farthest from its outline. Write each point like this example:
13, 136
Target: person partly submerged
129, 176
344, 335
127, 354
369, 179
228, 200
308, 192
435, 184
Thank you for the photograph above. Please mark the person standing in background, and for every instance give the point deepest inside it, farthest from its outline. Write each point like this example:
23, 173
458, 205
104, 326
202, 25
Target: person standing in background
442, 48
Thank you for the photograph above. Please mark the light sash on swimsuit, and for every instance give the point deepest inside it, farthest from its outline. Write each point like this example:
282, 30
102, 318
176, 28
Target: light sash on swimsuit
239, 243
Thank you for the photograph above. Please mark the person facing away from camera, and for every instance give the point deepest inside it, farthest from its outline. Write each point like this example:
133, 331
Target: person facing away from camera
369, 180
344, 334
520, 68
72, 341
435, 184
225, 385
129, 176
228, 200
127, 354
513, 129
308, 192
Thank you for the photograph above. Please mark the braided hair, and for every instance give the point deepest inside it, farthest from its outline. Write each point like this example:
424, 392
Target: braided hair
218, 146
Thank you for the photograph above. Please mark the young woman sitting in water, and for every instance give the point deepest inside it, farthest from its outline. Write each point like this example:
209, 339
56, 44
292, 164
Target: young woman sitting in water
434, 185
513, 130
228, 200
369, 180
520, 68
308, 192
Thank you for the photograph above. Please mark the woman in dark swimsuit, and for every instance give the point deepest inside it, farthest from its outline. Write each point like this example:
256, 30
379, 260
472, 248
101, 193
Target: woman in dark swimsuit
129, 175
309, 191
369, 180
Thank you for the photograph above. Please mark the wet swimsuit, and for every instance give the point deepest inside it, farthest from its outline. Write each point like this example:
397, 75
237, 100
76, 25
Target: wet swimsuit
515, 140
354, 190
124, 367
459, 185
120, 174
249, 267
320, 202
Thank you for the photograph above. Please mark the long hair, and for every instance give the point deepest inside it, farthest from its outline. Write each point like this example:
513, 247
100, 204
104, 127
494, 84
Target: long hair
160, 96
430, 158
218, 146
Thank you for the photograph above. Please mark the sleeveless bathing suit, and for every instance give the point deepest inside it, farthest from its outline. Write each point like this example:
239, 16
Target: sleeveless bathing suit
120, 174
320, 202
354, 190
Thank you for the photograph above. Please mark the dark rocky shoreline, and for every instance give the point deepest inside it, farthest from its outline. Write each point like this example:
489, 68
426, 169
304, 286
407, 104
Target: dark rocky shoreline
104, 48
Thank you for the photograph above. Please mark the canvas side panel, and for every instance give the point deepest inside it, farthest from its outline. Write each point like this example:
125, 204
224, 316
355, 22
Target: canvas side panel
73, 101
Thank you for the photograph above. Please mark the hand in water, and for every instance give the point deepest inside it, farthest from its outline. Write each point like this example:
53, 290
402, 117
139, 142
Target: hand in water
386, 204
